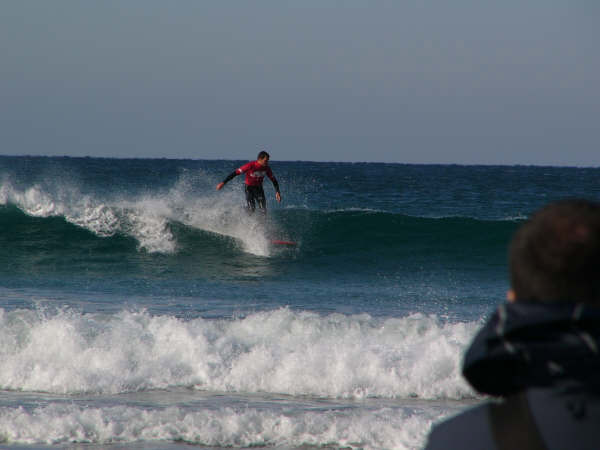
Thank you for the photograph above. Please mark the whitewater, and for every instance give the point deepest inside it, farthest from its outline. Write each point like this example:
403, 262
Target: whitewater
276, 378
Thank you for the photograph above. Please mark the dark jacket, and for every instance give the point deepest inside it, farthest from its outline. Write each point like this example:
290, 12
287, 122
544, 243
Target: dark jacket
542, 362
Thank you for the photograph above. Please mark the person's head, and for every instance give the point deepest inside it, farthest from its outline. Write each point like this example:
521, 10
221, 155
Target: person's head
555, 255
263, 158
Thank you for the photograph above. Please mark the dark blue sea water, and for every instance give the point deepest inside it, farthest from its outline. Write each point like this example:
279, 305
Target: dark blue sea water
141, 307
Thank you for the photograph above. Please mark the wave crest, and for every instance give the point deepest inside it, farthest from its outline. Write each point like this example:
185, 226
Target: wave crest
278, 351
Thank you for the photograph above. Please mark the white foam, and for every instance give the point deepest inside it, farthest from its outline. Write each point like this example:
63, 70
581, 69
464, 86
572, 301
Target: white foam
221, 213
34, 201
280, 351
227, 219
139, 219
224, 427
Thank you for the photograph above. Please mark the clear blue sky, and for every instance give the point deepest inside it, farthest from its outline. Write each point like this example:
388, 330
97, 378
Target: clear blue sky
469, 82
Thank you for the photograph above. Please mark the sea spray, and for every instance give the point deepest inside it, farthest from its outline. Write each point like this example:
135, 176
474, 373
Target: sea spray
145, 218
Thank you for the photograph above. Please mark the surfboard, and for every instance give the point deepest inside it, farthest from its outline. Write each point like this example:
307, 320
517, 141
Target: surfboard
288, 243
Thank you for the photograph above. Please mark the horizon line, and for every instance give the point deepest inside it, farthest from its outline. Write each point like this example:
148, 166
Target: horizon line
332, 161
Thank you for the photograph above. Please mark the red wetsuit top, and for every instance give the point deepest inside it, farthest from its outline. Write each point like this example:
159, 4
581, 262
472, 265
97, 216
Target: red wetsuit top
255, 174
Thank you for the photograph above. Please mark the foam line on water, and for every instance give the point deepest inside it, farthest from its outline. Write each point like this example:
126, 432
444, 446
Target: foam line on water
279, 351
58, 424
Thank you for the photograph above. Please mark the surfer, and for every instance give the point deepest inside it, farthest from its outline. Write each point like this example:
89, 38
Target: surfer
255, 173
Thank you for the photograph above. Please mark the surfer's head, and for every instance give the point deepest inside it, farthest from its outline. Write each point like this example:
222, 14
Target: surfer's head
263, 158
555, 255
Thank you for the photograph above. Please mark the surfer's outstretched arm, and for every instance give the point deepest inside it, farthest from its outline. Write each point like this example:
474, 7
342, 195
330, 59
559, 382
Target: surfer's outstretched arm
229, 177
275, 185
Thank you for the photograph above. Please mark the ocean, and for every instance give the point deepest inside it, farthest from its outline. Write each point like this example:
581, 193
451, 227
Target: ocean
141, 308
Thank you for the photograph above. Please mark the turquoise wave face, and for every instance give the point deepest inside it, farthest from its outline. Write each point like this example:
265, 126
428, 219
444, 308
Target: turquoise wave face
364, 241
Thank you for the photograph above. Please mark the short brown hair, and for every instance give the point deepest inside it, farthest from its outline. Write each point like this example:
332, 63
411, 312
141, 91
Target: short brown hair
555, 255
262, 154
